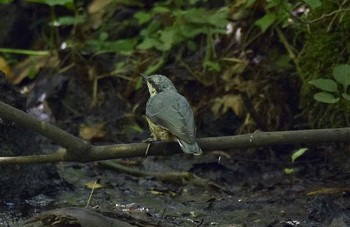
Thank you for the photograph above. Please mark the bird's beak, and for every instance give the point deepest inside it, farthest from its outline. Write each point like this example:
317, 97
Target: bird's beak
144, 77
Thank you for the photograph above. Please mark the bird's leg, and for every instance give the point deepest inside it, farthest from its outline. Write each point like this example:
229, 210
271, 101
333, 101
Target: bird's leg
148, 146
149, 141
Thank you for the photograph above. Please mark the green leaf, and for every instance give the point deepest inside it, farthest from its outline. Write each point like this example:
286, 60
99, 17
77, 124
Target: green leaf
273, 3
219, 18
103, 36
313, 3
155, 66
249, 3
266, 21
325, 97
325, 84
149, 43
142, 17
122, 45
346, 96
191, 30
168, 36
151, 29
288, 171
53, 2
195, 15
161, 9
138, 84
68, 20
212, 66
341, 74
298, 153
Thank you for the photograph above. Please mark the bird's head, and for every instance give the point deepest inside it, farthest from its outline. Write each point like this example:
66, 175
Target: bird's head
158, 83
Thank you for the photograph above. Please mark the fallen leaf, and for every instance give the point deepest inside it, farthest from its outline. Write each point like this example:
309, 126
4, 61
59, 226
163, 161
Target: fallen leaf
5, 68
93, 185
228, 102
31, 65
89, 132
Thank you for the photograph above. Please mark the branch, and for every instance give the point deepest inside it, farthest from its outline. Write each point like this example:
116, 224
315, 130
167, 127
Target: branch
61, 137
79, 150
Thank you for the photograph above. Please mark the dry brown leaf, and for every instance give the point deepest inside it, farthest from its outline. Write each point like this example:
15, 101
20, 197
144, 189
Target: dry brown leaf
89, 132
33, 63
228, 102
96, 10
5, 68
237, 66
93, 185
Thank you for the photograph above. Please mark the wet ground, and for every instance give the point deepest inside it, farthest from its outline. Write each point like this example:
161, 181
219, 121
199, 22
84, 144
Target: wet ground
246, 188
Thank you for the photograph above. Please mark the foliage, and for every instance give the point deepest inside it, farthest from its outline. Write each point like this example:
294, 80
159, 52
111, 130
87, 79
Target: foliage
279, 12
297, 154
325, 48
166, 28
330, 93
247, 45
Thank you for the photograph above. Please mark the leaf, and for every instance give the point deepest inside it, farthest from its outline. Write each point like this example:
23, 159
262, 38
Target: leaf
138, 84
341, 74
149, 43
151, 30
168, 36
325, 84
195, 15
31, 65
273, 3
5, 68
228, 102
161, 9
288, 171
53, 2
191, 30
159, 62
249, 3
298, 153
346, 96
68, 20
212, 66
266, 21
93, 131
313, 3
93, 185
142, 17
325, 97
122, 45
219, 18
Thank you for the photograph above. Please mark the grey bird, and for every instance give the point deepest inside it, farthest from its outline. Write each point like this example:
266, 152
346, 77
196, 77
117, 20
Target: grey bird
169, 115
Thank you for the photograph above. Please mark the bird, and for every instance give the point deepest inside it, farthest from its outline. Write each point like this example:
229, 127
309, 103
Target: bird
169, 114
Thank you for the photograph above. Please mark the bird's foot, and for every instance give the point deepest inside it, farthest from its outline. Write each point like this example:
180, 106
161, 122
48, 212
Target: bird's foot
148, 141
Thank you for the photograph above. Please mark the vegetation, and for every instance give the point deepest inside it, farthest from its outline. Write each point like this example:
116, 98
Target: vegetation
213, 46
244, 65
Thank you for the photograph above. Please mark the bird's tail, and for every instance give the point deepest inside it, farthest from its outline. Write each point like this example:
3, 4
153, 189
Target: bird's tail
190, 148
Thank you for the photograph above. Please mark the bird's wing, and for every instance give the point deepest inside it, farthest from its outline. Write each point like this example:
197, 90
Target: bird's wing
172, 111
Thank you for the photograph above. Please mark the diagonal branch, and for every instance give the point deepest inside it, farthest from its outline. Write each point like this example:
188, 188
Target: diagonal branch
79, 150
61, 137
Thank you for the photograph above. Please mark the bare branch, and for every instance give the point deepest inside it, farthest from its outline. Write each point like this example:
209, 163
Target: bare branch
79, 150
61, 137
